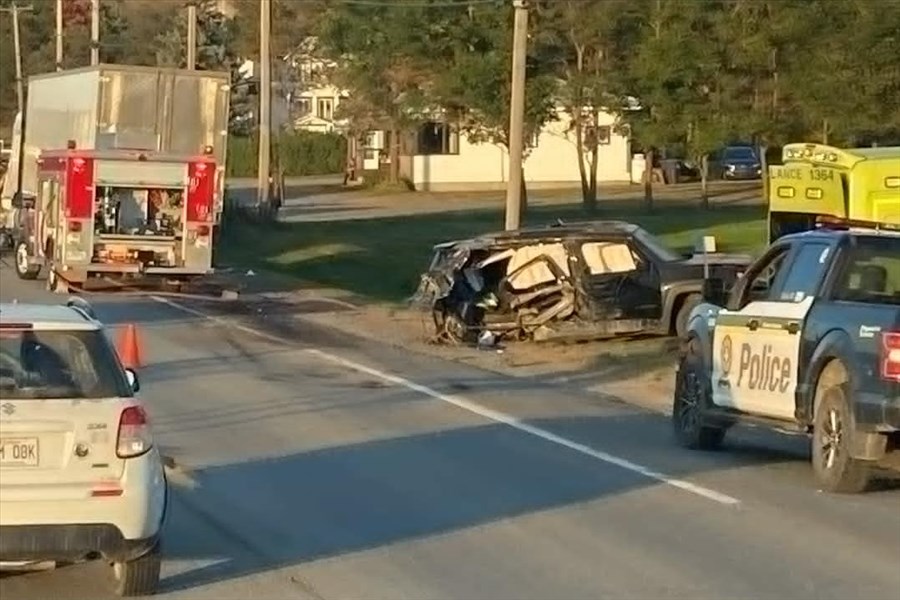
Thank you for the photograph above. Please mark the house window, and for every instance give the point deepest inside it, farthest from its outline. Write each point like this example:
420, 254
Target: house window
325, 108
303, 106
437, 138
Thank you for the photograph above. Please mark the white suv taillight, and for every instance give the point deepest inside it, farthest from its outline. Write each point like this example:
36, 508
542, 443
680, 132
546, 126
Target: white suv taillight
134, 433
890, 356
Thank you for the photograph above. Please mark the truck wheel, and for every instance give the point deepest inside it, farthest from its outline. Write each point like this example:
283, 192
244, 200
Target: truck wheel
681, 319
55, 283
835, 470
138, 577
692, 396
23, 269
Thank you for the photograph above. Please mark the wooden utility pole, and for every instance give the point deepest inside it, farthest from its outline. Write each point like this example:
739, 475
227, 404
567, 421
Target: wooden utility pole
265, 105
59, 35
15, 10
517, 116
192, 36
95, 32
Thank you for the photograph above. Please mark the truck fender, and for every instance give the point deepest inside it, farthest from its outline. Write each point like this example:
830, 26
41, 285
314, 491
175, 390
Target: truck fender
673, 294
701, 325
836, 344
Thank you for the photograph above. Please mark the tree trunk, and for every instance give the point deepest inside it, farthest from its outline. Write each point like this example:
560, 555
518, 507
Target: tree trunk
764, 167
523, 198
704, 181
394, 156
595, 165
582, 171
648, 180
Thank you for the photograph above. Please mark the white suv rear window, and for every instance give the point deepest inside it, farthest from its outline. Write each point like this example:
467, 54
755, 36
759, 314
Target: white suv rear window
58, 364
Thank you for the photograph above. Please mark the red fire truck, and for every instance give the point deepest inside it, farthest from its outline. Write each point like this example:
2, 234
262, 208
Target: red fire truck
117, 215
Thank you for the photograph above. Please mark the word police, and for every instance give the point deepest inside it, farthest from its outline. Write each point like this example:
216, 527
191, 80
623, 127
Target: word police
763, 371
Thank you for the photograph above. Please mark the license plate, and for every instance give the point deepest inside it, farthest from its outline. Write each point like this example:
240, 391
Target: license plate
22, 452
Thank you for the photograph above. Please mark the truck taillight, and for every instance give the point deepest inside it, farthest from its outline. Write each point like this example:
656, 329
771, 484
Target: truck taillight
75, 226
203, 231
890, 355
134, 433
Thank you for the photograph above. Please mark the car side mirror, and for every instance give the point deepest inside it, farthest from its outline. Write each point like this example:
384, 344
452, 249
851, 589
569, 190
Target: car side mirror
21, 200
133, 380
713, 291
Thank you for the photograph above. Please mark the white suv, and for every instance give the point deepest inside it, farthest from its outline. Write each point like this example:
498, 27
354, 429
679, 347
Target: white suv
80, 477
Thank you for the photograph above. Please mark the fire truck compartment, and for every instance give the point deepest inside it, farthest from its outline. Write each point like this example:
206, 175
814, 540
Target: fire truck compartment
131, 214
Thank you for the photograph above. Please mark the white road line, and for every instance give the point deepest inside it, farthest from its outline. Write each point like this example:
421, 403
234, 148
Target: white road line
478, 409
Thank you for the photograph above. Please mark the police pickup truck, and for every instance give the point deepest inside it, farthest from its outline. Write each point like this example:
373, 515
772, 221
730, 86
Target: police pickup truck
809, 343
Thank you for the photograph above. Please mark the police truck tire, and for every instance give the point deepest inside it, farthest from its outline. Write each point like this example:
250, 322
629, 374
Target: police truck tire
834, 469
692, 397
684, 313
138, 577
23, 269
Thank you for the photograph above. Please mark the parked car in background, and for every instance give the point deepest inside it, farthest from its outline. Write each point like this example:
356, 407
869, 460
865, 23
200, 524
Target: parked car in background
738, 162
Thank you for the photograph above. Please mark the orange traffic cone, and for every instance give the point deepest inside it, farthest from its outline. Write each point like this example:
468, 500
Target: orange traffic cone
129, 348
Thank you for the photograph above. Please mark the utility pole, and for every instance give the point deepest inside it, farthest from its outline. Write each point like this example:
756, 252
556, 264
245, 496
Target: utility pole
265, 105
15, 10
59, 35
517, 116
192, 36
95, 32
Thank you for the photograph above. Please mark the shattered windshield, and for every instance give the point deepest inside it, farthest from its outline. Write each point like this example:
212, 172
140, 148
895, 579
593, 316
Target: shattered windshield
49, 364
654, 245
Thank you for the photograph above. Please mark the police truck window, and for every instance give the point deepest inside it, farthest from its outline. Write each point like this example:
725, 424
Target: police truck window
805, 272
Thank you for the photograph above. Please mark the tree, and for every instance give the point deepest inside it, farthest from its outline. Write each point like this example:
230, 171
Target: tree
215, 39
473, 82
593, 41
382, 56
659, 73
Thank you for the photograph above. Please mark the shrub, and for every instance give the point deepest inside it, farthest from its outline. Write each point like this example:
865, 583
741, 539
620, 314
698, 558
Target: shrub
300, 153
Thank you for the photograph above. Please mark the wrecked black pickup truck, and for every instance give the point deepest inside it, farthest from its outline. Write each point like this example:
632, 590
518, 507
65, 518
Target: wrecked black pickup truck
566, 282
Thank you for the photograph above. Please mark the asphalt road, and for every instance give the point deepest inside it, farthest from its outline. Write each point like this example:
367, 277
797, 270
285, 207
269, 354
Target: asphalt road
327, 467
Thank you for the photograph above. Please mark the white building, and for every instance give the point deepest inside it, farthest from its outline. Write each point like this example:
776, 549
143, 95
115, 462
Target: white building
440, 159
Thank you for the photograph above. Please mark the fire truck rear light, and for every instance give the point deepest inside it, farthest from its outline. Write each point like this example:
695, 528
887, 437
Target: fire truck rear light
890, 356
75, 226
203, 230
134, 433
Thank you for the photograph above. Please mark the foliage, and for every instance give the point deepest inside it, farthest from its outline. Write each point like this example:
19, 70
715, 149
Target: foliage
472, 74
302, 153
706, 72
592, 49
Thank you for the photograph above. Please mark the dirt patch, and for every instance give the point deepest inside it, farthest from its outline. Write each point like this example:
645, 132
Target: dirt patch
639, 371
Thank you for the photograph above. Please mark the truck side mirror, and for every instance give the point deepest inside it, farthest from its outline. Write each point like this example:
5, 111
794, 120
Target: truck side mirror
21, 200
713, 291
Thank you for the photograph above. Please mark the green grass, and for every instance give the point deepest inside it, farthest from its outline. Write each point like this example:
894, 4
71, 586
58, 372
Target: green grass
382, 258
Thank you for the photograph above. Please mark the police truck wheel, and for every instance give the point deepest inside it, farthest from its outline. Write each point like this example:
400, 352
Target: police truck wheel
835, 470
681, 319
692, 396
138, 577
23, 269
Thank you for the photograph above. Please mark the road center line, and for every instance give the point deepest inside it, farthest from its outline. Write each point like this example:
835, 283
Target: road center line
473, 407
